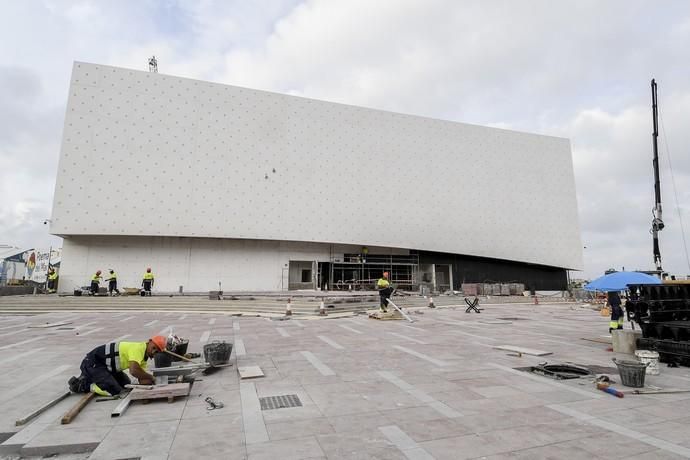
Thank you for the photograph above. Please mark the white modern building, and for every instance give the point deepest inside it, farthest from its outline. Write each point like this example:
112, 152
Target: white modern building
208, 183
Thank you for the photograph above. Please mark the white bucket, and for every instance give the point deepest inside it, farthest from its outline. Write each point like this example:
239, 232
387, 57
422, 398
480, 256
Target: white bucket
651, 357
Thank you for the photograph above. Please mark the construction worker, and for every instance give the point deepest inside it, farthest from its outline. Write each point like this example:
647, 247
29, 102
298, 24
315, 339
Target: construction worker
147, 282
102, 370
95, 282
385, 291
52, 280
614, 301
112, 283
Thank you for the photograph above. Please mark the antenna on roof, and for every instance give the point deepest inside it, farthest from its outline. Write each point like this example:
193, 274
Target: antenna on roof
153, 64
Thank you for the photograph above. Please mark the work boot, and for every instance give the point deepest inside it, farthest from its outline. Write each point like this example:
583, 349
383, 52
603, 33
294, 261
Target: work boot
73, 384
96, 389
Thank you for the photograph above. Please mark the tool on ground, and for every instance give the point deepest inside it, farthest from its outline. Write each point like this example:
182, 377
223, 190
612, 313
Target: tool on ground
212, 404
183, 358
140, 387
74, 411
472, 305
400, 310
610, 390
40, 410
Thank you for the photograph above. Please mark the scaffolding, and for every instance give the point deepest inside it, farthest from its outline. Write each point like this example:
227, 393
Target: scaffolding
360, 272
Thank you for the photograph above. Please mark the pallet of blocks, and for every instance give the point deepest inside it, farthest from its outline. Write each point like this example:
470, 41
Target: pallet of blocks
389, 315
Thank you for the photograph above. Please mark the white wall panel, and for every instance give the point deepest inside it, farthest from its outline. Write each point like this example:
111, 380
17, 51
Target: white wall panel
151, 154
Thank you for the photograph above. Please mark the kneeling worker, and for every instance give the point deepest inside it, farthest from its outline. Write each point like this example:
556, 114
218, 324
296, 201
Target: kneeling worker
102, 369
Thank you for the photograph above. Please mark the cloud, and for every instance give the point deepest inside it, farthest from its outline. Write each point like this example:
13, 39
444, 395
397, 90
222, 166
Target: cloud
576, 69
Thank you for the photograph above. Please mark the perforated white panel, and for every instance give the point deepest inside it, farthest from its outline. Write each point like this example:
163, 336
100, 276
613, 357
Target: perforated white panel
151, 154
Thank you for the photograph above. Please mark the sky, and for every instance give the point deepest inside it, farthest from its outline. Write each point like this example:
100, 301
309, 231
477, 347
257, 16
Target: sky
578, 69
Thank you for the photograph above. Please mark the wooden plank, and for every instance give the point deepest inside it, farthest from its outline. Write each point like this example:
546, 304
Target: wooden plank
250, 372
74, 411
122, 407
525, 351
163, 391
42, 409
43, 326
495, 321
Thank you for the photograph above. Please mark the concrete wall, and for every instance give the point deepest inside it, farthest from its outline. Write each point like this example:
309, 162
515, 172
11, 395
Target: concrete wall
156, 155
198, 264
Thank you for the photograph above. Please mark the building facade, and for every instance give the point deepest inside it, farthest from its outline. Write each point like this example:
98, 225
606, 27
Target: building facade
212, 184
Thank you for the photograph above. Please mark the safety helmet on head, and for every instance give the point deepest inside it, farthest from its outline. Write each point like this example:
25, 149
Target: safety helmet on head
160, 342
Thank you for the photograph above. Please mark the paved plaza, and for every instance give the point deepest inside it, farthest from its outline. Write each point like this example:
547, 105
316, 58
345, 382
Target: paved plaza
433, 389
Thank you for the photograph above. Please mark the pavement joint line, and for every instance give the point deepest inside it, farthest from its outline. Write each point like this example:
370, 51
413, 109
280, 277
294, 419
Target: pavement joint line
151, 323
422, 356
82, 326
7, 334
165, 330
252, 418
127, 319
546, 381
351, 329
5, 347
239, 347
473, 335
235, 325
182, 317
404, 443
211, 321
415, 328
483, 344
627, 432
122, 337
29, 384
92, 331
297, 323
205, 336
438, 406
316, 362
20, 355
282, 332
330, 342
14, 325
408, 338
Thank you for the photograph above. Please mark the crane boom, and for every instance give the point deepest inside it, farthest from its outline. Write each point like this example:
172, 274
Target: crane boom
657, 222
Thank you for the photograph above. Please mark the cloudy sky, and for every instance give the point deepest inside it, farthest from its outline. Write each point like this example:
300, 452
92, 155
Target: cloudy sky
578, 69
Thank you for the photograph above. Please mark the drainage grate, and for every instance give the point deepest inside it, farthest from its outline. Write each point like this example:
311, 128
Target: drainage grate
279, 402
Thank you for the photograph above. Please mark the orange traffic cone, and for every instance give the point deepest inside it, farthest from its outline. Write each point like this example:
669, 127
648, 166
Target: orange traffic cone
288, 308
431, 302
322, 309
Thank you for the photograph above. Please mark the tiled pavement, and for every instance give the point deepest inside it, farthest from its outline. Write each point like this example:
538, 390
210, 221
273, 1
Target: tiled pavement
369, 389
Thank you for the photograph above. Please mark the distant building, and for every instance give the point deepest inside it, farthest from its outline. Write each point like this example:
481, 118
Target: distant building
210, 183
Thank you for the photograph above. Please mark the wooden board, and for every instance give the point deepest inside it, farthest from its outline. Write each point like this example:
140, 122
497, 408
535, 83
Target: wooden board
74, 411
250, 372
161, 391
524, 351
43, 326
597, 340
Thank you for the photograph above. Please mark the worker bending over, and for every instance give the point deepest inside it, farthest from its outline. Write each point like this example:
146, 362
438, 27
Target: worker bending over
102, 371
385, 291
95, 282
147, 282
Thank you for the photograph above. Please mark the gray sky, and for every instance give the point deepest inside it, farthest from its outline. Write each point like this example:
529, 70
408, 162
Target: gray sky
578, 69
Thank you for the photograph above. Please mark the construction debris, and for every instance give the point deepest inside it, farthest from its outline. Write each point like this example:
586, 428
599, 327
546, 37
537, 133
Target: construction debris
249, 372
160, 391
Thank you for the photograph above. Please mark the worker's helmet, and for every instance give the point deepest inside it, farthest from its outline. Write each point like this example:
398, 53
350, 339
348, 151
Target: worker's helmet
160, 342
385, 273
148, 270
98, 272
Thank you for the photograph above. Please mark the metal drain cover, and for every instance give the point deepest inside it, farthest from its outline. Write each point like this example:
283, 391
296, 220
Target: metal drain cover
279, 402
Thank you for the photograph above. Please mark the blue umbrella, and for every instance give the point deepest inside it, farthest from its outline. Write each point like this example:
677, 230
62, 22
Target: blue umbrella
619, 281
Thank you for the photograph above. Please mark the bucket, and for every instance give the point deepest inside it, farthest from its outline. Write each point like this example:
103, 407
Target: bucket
632, 372
162, 360
216, 353
180, 349
650, 357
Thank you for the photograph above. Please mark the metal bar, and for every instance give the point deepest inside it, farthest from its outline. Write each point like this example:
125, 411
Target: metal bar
401, 312
122, 407
42, 409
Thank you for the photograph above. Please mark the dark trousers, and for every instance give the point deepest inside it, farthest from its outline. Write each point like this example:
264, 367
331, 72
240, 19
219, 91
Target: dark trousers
112, 286
95, 371
147, 286
94, 288
52, 285
385, 294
